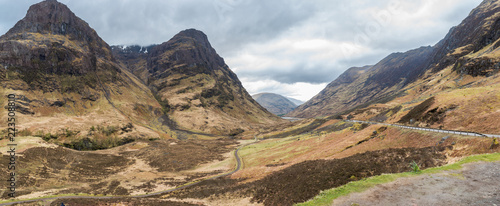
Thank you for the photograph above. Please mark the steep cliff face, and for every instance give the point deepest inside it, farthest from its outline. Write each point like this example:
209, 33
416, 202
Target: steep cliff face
477, 33
275, 103
134, 59
195, 86
59, 66
51, 40
469, 49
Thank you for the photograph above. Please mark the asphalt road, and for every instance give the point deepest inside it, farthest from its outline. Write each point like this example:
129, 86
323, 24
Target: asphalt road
238, 167
474, 134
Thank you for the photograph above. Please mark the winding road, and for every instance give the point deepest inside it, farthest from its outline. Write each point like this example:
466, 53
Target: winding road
238, 167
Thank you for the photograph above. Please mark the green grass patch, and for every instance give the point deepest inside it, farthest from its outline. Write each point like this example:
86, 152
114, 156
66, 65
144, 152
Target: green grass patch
326, 197
298, 131
276, 149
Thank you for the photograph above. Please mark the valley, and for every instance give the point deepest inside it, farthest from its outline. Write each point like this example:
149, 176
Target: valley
262, 164
172, 124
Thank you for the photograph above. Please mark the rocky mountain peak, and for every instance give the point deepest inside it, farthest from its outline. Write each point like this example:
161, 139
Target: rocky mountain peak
54, 18
49, 11
189, 79
52, 40
193, 36
51, 17
475, 32
190, 47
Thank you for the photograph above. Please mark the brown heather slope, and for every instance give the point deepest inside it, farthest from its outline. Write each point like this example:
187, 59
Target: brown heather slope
140, 167
293, 169
195, 86
65, 76
469, 49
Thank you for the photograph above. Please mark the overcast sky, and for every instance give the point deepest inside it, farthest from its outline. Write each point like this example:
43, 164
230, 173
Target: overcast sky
290, 47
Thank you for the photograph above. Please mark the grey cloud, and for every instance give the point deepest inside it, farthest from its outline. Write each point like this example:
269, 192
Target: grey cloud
229, 25
299, 73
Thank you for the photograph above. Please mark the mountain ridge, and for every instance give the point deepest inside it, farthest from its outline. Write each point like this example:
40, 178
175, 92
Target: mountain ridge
387, 79
295, 101
275, 103
192, 81
62, 69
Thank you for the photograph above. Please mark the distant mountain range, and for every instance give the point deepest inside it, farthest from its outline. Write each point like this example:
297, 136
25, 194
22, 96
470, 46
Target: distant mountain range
275, 103
295, 101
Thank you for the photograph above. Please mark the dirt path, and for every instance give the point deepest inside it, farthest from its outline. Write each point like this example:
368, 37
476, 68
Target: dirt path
475, 184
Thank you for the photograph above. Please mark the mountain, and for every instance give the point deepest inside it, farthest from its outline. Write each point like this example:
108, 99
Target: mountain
322, 103
61, 69
295, 101
387, 78
439, 86
196, 88
67, 79
361, 85
275, 103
